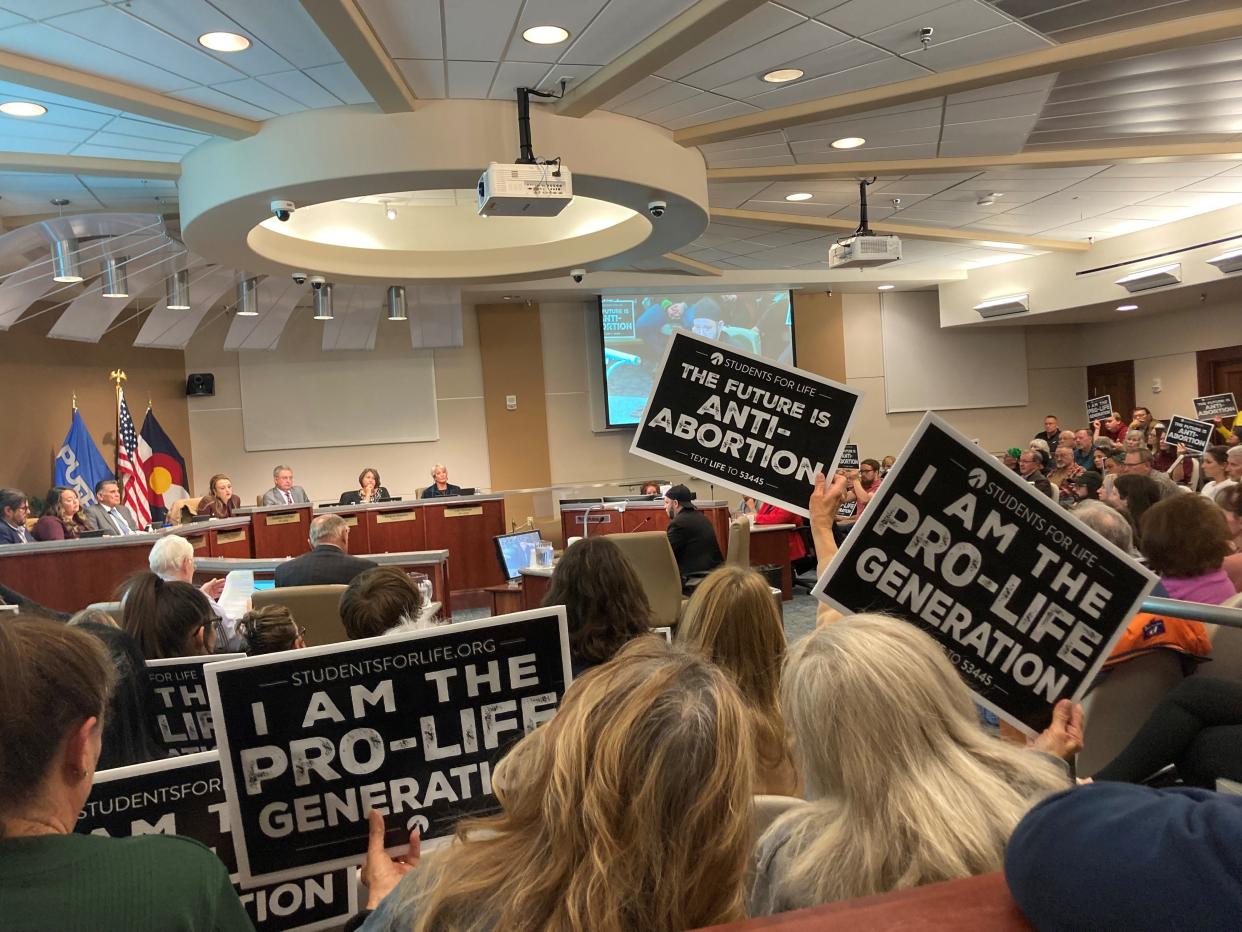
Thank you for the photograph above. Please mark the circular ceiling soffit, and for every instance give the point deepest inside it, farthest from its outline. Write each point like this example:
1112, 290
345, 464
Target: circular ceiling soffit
347, 168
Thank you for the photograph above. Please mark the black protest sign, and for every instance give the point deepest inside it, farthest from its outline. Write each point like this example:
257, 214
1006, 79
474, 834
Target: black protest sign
1210, 406
179, 702
1026, 601
1196, 436
408, 724
185, 796
848, 509
744, 422
849, 457
1099, 409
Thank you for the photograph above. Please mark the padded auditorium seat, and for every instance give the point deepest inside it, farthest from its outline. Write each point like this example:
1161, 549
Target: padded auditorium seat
739, 542
652, 557
1116, 709
315, 608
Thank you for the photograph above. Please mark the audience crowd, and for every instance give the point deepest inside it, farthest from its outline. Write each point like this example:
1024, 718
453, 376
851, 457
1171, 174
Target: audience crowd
634, 807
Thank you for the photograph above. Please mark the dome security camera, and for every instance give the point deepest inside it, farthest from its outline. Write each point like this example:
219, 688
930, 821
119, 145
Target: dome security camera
657, 208
299, 278
577, 275
318, 281
283, 210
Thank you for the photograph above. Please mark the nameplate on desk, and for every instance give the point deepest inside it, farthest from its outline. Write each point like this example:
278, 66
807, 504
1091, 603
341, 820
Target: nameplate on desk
200, 542
230, 537
592, 519
351, 520
393, 517
462, 511
293, 518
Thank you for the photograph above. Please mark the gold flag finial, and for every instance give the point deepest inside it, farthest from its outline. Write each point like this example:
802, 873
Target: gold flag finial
118, 376
75, 401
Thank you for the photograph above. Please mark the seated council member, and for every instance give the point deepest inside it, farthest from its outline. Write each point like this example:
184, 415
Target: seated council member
369, 489
440, 486
691, 536
14, 507
62, 516
284, 492
55, 683
108, 514
328, 562
221, 502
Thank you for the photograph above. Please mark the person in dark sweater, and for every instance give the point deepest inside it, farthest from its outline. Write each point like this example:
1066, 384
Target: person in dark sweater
691, 536
328, 562
1119, 856
54, 685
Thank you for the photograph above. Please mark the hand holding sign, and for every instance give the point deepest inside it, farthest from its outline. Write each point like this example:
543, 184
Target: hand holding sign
381, 873
1063, 738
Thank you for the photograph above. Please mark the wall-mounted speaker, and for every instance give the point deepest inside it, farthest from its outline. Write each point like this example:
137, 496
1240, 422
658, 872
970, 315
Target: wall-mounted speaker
199, 384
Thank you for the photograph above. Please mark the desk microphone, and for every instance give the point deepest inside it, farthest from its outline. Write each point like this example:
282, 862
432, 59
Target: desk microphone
641, 523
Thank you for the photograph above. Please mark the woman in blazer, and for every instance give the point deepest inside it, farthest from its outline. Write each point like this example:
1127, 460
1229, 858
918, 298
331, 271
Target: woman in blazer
62, 516
369, 489
221, 502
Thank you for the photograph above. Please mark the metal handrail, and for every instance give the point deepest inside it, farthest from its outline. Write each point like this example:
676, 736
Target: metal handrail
1195, 611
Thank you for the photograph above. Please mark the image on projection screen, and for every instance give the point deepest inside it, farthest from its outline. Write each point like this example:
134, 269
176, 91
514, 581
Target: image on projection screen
635, 329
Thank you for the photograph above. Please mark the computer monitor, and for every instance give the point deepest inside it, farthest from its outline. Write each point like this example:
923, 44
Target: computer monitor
467, 491
513, 551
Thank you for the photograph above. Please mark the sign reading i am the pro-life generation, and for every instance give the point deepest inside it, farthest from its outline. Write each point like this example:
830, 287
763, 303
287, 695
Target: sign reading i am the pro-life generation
185, 796
408, 724
1195, 436
1099, 409
179, 703
1210, 406
1026, 601
744, 422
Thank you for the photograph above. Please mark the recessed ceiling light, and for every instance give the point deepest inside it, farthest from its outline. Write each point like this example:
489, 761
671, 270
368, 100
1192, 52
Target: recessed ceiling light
885, 287
224, 42
1127, 307
22, 108
849, 142
782, 75
800, 196
545, 35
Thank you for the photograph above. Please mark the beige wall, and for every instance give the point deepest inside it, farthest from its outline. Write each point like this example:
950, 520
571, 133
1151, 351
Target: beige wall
38, 380
1054, 385
216, 424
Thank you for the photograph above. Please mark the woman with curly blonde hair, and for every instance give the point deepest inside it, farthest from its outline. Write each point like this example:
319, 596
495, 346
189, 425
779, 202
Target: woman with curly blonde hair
629, 810
733, 621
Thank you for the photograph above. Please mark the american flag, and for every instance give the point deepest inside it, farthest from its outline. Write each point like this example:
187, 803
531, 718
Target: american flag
130, 466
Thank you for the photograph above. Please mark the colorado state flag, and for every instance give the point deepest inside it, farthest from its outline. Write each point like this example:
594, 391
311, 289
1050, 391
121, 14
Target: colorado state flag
165, 468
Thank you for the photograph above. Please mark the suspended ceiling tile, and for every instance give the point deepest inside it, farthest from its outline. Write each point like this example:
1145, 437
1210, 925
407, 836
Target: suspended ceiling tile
744, 142
885, 71
777, 51
407, 28
670, 92
760, 24
116, 152
995, 108
470, 79
153, 185
1222, 184
258, 94
806, 154
12, 129
341, 81
284, 27
1001, 42
425, 76
57, 115
953, 21
302, 89
870, 126
1042, 84
172, 150
620, 26
149, 129
210, 97
43, 9
1068, 20
859, 17
573, 16
635, 91
478, 30
62, 48
730, 108
694, 107
785, 159
189, 19
514, 74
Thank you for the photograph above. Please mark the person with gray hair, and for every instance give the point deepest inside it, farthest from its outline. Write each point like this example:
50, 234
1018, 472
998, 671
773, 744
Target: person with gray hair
440, 486
172, 560
1109, 523
284, 492
328, 562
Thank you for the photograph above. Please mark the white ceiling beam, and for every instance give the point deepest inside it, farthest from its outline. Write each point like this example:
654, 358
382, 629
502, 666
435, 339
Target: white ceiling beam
909, 230
1081, 53
120, 95
351, 33
693, 266
687, 30
88, 165
1045, 158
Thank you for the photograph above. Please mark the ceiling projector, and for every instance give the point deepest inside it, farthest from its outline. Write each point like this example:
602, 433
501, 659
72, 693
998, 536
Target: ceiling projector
524, 190
860, 252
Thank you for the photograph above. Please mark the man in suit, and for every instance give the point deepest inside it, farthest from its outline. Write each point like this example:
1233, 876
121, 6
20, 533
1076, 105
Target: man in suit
284, 492
328, 562
109, 515
691, 536
14, 508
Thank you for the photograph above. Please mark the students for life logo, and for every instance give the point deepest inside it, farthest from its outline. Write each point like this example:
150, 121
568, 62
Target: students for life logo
717, 358
977, 478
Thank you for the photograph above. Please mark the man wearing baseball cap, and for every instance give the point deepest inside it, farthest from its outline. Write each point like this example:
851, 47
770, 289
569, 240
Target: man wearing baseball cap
691, 536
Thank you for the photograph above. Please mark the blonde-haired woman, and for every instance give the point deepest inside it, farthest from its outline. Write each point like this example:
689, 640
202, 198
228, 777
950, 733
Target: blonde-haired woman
905, 788
629, 810
732, 620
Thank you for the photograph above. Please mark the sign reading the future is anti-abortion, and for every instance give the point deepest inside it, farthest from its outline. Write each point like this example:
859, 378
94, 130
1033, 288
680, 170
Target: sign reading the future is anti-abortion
1026, 601
185, 796
409, 724
738, 420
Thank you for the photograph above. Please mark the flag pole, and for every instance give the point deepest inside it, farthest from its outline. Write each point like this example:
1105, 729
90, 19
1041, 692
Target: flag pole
118, 376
